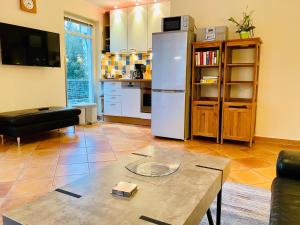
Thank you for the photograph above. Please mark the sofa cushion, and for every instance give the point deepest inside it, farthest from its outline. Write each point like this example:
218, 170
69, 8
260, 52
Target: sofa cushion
285, 206
31, 116
288, 162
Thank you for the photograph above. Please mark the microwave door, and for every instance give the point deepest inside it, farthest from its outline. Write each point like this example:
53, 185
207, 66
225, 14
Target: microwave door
171, 24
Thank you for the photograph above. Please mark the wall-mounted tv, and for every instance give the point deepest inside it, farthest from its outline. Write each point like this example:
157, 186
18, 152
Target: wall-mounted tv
29, 47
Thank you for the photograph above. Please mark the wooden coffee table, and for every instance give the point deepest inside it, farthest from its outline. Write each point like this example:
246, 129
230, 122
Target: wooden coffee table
183, 197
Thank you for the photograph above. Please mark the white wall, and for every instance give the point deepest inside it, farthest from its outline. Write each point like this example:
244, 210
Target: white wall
279, 83
27, 87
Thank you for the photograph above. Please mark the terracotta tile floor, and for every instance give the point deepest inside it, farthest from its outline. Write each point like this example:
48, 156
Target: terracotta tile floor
54, 159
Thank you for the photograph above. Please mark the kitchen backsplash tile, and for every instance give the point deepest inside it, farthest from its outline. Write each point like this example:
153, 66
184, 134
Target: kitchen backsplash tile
124, 63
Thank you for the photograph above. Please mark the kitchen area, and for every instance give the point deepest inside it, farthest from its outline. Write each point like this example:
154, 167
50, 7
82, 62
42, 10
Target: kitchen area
126, 63
146, 69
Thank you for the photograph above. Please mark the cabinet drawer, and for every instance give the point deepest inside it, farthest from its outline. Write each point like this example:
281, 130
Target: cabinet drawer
108, 85
112, 108
113, 98
112, 88
237, 122
205, 120
112, 91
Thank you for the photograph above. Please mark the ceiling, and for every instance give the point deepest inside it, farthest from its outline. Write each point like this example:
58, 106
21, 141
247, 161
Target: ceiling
110, 4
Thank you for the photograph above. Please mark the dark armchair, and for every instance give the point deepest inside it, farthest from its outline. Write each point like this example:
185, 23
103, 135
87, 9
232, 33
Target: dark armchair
285, 204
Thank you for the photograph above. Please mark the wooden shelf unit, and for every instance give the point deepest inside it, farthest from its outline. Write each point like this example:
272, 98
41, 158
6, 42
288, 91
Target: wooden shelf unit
206, 109
239, 82
208, 66
240, 64
239, 113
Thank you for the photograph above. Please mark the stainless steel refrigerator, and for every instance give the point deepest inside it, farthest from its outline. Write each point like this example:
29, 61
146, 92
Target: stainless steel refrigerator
171, 78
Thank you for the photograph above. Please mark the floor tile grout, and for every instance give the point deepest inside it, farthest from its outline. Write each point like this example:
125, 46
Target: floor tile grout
109, 138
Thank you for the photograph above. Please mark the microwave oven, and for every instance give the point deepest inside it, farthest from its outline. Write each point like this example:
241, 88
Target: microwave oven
178, 23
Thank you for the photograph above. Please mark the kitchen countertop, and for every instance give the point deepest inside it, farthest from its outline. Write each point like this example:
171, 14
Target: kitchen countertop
125, 80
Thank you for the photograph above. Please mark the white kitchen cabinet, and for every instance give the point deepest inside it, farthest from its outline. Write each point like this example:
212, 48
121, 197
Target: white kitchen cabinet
112, 98
156, 12
112, 88
131, 102
123, 99
132, 28
112, 108
137, 28
146, 116
118, 30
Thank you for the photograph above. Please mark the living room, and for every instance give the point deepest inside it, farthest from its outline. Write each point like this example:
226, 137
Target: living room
117, 123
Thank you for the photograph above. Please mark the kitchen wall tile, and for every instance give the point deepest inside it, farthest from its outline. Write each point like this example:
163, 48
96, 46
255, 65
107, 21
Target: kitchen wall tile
124, 63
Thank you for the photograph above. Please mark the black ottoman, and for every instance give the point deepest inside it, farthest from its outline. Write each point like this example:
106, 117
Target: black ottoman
22, 123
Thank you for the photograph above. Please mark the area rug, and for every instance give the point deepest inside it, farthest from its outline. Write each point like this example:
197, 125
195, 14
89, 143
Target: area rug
243, 205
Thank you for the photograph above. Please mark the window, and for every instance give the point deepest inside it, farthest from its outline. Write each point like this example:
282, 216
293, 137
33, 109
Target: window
79, 62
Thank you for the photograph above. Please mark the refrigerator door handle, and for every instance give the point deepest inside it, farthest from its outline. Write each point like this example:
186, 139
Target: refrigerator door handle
157, 91
168, 91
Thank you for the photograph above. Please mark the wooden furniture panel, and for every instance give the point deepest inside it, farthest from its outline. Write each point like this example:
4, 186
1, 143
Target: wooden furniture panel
236, 101
237, 123
244, 43
206, 97
205, 120
240, 95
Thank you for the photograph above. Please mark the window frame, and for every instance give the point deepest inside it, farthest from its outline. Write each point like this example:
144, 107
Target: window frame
94, 54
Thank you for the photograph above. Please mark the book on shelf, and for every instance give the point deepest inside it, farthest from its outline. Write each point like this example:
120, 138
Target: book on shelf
207, 58
209, 80
210, 77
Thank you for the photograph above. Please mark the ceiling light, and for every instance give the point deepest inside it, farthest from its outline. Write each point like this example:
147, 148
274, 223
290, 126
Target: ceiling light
136, 3
116, 6
154, 0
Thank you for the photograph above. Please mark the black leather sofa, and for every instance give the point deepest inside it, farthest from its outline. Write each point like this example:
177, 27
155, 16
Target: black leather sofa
285, 203
22, 123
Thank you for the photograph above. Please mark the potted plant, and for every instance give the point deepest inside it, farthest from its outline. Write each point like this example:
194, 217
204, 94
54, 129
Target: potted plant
245, 27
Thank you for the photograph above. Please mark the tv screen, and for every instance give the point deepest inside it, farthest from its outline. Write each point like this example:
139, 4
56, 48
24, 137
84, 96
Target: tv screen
29, 47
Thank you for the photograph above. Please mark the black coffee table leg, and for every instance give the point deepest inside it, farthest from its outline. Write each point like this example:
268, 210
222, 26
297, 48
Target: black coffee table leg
219, 206
209, 217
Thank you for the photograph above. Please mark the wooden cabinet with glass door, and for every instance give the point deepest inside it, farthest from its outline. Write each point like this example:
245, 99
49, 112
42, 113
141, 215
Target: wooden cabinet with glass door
206, 89
241, 70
